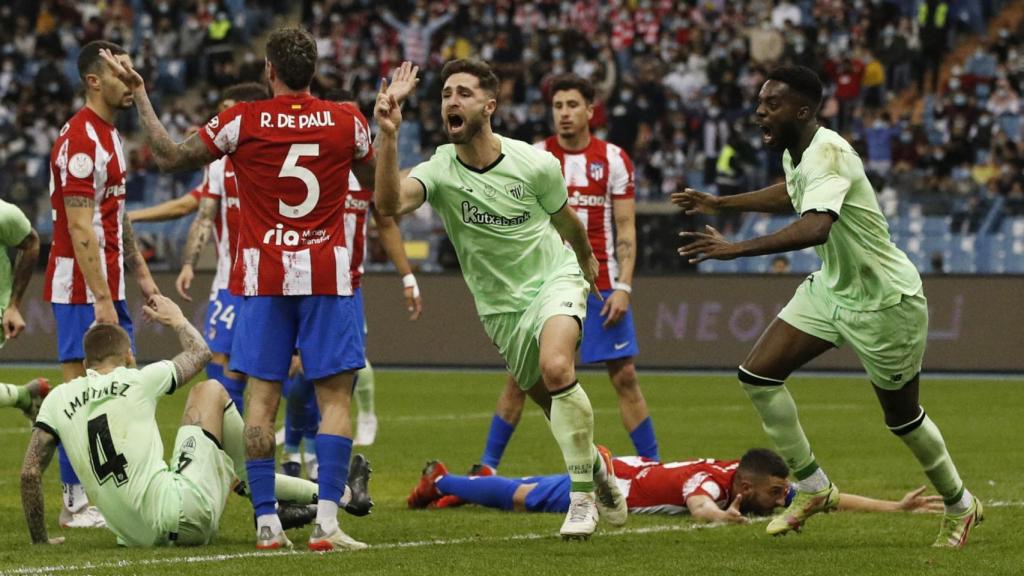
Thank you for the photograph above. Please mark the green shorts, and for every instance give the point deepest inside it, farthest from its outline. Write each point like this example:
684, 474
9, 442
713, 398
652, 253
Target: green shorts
517, 334
204, 474
890, 342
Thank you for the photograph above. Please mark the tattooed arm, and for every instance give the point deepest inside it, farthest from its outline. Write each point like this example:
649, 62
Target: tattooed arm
198, 234
88, 255
196, 353
617, 304
170, 156
40, 451
135, 262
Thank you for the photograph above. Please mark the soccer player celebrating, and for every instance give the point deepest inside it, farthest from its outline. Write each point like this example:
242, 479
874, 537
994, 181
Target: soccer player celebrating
711, 490
16, 233
505, 207
867, 293
93, 241
292, 156
599, 176
106, 420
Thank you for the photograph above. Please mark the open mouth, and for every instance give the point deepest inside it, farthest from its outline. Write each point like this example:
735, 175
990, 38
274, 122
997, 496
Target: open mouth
766, 134
455, 122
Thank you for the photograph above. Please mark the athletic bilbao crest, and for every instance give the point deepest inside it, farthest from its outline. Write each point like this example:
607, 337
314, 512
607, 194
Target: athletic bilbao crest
515, 190
596, 170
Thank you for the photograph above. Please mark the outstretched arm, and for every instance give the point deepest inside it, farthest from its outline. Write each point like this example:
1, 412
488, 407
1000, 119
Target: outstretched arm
913, 501
169, 210
812, 229
196, 353
40, 451
198, 234
170, 156
772, 199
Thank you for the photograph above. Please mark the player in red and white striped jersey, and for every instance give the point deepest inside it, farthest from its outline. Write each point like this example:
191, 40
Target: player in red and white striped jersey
93, 242
707, 489
599, 177
292, 156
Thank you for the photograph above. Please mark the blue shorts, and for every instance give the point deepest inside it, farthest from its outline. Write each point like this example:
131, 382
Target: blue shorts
600, 344
551, 494
323, 328
74, 320
221, 315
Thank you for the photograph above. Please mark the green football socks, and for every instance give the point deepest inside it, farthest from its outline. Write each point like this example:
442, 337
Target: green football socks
572, 423
923, 438
779, 419
14, 396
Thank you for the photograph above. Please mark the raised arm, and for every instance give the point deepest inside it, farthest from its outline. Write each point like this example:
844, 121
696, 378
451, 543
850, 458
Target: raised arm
569, 227
391, 239
392, 194
170, 156
772, 199
195, 354
24, 264
40, 451
169, 210
135, 262
198, 234
80, 211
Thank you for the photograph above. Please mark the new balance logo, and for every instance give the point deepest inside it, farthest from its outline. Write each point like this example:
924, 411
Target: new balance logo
566, 304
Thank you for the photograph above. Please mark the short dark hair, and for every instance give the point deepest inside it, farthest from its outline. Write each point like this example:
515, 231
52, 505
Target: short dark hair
572, 82
801, 80
488, 79
763, 462
103, 341
246, 92
292, 51
89, 56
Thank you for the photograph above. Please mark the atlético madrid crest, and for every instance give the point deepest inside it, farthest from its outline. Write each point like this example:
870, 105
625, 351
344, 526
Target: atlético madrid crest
596, 170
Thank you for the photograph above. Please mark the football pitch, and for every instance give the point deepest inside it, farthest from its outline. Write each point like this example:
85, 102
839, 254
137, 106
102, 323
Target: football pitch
445, 415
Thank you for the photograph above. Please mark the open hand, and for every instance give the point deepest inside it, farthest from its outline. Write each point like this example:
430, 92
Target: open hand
914, 501
403, 81
694, 202
708, 245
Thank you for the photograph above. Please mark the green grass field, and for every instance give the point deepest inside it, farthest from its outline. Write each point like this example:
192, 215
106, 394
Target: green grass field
446, 415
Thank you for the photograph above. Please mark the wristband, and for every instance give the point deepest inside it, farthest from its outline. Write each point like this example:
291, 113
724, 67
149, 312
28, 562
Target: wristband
623, 286
409, 281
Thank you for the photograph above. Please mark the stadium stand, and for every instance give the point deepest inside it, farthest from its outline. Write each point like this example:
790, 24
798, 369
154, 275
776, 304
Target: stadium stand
677, 86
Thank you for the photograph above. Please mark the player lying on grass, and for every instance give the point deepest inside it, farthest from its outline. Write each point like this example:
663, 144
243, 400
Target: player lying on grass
106, 421
711, 490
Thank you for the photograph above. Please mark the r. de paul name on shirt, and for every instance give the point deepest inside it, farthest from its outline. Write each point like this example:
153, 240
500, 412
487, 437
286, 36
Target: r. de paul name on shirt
318, 119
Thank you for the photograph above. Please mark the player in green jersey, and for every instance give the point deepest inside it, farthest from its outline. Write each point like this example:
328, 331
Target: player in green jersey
505, 207
106, 421
16, 233
867, 294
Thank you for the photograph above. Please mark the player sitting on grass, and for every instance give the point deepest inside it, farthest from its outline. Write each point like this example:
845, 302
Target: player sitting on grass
711, 490
106, 421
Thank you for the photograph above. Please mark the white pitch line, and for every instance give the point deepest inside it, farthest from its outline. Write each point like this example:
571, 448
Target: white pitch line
215, 558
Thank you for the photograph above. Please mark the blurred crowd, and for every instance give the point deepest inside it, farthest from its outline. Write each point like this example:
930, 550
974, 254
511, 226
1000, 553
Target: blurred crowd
677, 81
